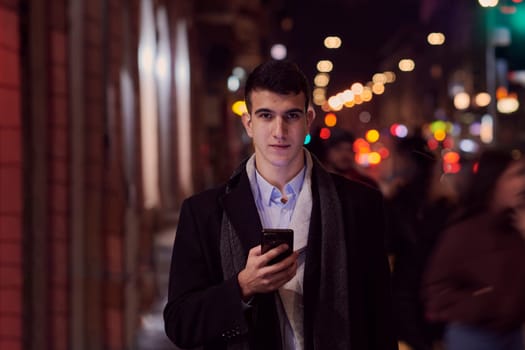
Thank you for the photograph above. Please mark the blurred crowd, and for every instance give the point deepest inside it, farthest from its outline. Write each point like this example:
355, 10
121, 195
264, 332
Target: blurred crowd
456, 242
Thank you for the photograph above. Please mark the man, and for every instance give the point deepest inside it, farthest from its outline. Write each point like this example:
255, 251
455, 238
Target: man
339, 157
331, 293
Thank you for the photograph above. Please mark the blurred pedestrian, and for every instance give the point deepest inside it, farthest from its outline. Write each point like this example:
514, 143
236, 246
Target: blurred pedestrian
475, 281
416, 217
332, 292
340, 157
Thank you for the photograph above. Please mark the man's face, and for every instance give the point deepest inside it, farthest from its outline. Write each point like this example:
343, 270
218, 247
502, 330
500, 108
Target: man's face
278, 125
341, 157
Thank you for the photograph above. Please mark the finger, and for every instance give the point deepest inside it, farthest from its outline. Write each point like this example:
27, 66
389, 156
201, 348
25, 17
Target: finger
284, 264
255, 251
273, 253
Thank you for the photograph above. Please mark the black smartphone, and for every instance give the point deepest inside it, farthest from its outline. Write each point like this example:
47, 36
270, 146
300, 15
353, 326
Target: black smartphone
273, 237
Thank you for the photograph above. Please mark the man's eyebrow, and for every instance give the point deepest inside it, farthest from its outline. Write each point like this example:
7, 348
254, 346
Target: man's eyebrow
295, 110
267, 110
263, 110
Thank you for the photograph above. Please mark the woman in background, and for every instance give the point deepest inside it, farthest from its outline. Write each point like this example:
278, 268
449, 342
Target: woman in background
475, 281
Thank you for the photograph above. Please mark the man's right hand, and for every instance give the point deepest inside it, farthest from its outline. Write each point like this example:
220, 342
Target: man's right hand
259, 277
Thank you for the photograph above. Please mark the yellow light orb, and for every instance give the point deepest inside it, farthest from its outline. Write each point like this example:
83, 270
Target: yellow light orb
508, 105
378, 88
347, 96
374, 158
332, 42
321, 80
372, 135
325, 66
357, 88
488, 3
349, 104
335, 102
239, 108
462, 101
436, 38
390, 76
407, 65
482, 99
379, 78
440, 135
367, 94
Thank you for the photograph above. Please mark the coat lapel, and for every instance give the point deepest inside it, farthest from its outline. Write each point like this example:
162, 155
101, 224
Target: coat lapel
239, 205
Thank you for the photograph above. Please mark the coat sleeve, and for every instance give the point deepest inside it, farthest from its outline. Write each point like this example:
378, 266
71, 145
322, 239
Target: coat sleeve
448, 292
202, 309
379, 302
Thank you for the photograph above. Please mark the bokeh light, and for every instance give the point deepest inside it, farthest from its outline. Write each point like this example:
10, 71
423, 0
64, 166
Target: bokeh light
372, 135
239, 108
436, 38
406, 65
330, 119
278, 52
321, 80
325, 66
325, 133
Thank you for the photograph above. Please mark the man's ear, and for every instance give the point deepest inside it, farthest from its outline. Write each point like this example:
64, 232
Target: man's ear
247, 123
310, 116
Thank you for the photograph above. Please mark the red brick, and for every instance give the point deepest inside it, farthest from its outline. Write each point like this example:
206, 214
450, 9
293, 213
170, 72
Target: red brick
10, 146
10, 276
57, 11
114, 254
60, 300
10, 253
10, 301
10, 228
114, 321
95, 122
10, 327
9, 29
94, 91
9, 344
59, 80
59, 112
10, 4
60, 263
60, 330
60, 200
94, 10
58, 47
59, 170
10, 68
93, 33
10, 102
11, 190
59, 226
60, 142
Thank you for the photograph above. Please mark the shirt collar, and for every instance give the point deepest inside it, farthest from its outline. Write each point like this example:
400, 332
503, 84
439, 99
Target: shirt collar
269, 193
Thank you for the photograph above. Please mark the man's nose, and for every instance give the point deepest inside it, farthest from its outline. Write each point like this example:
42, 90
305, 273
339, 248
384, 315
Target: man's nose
279, 127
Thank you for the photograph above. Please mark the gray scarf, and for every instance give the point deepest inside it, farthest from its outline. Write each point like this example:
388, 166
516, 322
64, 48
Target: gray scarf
331, 324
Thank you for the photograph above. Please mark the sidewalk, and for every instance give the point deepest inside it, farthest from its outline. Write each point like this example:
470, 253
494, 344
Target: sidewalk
151, 336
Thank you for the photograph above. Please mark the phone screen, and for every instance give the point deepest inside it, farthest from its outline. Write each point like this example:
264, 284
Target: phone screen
274, 237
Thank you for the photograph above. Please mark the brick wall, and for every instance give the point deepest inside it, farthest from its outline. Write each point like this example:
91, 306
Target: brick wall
11, 191
59, 184
114, 195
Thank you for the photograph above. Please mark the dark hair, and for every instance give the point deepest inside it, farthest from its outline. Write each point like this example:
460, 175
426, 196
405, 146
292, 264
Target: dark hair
282, 77
490, 166
337, 136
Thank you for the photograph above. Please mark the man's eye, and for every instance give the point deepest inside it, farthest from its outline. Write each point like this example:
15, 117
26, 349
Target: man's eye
293, 116
265, 115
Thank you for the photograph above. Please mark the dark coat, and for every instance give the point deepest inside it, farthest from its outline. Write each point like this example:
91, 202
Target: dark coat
203, 309
476, 275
